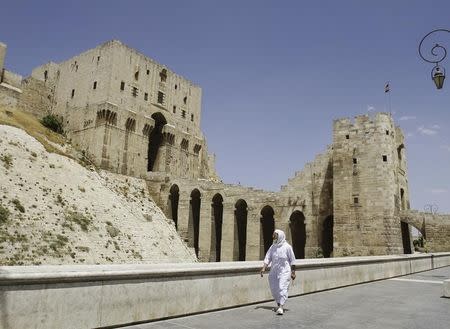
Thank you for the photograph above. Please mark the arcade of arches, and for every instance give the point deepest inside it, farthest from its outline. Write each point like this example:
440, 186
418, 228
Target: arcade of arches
219, 229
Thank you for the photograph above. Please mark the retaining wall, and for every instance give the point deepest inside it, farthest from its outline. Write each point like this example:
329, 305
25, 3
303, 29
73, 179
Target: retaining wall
98, 296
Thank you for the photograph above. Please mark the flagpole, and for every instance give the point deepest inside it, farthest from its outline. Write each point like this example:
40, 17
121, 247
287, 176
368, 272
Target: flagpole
387, 90
390, 111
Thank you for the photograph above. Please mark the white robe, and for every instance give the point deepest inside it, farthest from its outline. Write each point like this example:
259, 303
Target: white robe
280, 258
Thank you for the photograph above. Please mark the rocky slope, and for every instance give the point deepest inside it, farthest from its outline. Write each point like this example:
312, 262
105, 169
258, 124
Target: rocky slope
55, 211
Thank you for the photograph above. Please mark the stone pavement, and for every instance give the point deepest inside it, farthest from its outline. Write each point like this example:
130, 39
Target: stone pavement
413, 301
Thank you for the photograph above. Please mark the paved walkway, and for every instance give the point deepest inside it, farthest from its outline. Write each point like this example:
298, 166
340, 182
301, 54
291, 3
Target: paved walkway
413, 301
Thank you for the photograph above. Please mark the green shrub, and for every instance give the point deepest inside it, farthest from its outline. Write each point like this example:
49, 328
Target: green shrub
7, 160
112, 231
18, 205
4, 214
52, 122
83, 221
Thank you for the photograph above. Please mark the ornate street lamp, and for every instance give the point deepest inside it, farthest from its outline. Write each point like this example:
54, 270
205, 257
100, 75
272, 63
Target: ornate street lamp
437, 72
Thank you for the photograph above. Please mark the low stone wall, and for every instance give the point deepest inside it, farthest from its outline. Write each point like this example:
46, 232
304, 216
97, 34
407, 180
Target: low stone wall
98, 296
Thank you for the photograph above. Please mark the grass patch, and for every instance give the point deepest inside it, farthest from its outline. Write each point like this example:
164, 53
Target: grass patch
33, 127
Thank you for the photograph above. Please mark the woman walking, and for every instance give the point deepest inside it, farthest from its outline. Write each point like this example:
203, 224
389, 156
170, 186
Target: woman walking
280, 257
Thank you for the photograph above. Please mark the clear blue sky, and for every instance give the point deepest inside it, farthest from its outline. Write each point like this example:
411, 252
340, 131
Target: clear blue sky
274, 74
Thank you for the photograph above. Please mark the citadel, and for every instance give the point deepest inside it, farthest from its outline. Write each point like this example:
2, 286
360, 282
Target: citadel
133, 116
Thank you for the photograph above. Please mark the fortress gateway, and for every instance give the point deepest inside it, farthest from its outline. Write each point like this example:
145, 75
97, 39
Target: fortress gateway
133, 116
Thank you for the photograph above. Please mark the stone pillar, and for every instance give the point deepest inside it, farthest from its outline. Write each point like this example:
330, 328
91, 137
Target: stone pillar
2, 59
228, 234
204, 239
253, 234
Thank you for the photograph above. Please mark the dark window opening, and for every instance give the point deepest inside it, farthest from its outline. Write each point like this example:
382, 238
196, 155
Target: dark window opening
122, 85
160, 97
148, 72
98, 59
155, 140
355, 161
146, 96
355, 200
134, 92
192, 117
174, 197
216, 228
183, 113
194, 220
163, 75
406, 238
387, 132
347, 136
327, 237
402, 199
95, 85
73, 93
384, 158
176, 87
266, 231
298, 233
174, 109
45, 75
240, 231
185, 100
136, 75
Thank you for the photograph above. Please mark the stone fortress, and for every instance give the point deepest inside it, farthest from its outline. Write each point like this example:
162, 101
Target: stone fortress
133, 116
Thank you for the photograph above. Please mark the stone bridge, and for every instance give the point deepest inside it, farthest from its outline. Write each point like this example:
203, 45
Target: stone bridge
434, 227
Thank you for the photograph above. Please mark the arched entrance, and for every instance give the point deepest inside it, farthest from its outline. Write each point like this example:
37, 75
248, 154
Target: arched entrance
267, 228
298, 233
240, 230
155, 139
327, 237
174, 197
406, 238
216, 227
194, 220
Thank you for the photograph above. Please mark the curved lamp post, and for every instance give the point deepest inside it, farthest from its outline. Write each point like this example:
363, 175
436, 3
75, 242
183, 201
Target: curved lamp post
437, 72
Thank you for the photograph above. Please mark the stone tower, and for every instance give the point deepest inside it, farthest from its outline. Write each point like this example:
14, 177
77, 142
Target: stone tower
369, 186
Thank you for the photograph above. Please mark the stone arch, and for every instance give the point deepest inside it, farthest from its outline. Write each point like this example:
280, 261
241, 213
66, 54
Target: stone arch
155, 139
266, 229
240, 230
216, 227
327, 236
194, 220
298, 233
174, 197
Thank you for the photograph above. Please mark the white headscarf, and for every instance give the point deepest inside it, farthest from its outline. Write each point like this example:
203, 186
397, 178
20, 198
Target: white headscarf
281, 237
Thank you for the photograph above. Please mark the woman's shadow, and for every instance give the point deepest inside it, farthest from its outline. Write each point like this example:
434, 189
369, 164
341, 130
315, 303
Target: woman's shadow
270, 308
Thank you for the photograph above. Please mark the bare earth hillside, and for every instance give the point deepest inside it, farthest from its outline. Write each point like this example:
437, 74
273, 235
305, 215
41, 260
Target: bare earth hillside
55, 211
